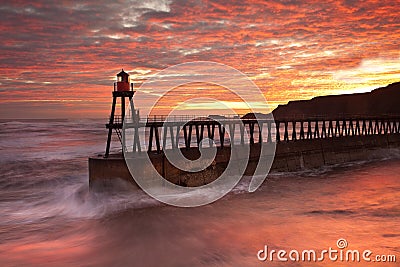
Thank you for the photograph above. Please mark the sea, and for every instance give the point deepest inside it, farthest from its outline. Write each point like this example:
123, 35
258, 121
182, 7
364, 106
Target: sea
50, 217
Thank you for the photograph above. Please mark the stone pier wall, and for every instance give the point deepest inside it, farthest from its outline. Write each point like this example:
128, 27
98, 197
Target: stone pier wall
289, 156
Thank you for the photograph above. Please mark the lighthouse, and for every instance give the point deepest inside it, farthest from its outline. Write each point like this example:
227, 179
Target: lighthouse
123, 91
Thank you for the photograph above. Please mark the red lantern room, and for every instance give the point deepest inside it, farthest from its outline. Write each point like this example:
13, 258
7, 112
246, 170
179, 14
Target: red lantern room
123, 82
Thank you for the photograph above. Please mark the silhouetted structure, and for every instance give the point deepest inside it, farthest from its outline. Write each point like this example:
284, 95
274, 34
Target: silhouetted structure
307, 134
122, 89
374, 113
252, 130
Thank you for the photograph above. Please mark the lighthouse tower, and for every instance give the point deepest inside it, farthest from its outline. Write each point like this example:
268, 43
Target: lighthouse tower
123, 90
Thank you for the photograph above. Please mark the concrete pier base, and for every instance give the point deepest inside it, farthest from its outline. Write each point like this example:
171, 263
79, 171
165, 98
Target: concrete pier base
289, 156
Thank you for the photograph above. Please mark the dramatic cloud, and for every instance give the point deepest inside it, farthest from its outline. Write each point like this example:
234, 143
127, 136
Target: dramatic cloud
59, 58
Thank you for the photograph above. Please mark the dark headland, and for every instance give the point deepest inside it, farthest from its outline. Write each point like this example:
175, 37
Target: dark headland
325, 130
381, 102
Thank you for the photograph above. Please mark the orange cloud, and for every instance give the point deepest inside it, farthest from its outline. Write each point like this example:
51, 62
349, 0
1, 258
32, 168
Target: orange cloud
291, 49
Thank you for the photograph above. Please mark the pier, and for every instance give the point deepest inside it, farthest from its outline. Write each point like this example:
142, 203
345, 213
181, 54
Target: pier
297, 140
300, 144
250, 130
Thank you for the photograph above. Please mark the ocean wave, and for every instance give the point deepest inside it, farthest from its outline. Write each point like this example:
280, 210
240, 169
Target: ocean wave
73, 201
43, 173
331, 212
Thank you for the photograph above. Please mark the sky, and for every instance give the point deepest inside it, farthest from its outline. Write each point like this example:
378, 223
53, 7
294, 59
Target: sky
58, 59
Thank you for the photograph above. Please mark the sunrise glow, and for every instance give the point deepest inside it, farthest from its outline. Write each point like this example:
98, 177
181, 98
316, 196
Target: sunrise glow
59, 59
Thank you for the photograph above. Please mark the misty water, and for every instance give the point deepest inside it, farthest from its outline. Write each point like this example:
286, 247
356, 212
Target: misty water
50, 218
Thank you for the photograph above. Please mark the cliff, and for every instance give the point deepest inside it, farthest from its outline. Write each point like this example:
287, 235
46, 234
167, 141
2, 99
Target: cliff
383, 101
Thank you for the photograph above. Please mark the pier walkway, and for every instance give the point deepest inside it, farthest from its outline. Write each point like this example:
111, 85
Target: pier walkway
175, 132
